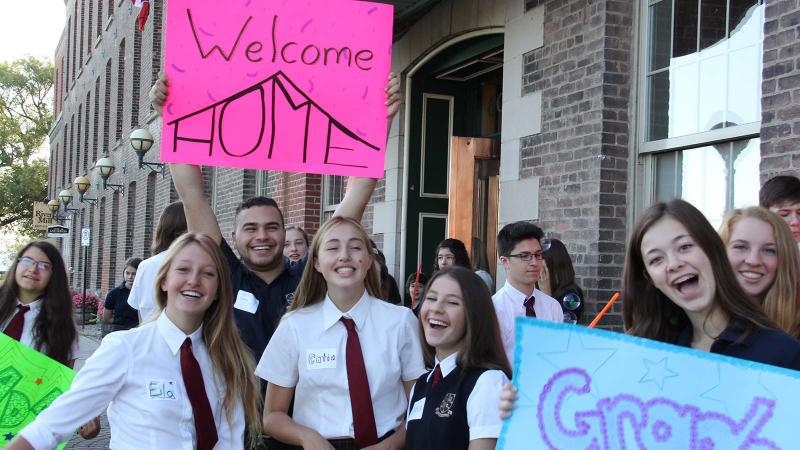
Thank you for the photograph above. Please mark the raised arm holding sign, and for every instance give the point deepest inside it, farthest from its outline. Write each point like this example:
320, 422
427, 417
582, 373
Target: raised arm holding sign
294, 86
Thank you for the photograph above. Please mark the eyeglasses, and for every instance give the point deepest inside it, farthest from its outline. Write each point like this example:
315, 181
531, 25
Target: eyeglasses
28, 262
528, 256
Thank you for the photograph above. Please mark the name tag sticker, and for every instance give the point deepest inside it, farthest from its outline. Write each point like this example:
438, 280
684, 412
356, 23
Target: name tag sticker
416, 410
321, 358
246, 301
162, 389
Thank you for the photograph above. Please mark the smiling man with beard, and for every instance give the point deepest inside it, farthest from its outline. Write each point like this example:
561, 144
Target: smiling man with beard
263, 281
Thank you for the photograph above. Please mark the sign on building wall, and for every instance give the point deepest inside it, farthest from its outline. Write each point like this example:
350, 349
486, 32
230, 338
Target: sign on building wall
294, 86
57, 231
42, 217
29, 382
582, 388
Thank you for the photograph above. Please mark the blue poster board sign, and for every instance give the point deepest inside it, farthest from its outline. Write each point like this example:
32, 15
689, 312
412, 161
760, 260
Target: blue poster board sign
599, 390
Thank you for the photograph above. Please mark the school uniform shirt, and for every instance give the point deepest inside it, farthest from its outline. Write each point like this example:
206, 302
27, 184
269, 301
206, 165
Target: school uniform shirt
508, 304
27, 338
124, 317
259, 305
143, 291
307, 352
766, 346
461, 408
137, 375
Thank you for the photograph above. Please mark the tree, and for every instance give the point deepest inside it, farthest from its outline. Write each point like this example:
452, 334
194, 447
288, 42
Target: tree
25, 119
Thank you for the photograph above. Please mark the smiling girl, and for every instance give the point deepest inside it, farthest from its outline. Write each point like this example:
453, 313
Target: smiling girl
455, 404
35, 303
678, 287
766, 262
181, 380
347, 358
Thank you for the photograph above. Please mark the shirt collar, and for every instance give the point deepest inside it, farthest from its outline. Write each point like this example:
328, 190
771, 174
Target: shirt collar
34, 305
174, 336
331, 314
446, 365
731, 334
516, 294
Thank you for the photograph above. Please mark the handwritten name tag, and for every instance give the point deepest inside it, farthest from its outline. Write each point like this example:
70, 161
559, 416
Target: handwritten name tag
246, 301
321, 358
162, 389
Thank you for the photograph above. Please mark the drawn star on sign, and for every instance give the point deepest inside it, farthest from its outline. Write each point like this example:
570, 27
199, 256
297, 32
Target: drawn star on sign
38, 381
592, 358
657, 372
723, 386
9, 436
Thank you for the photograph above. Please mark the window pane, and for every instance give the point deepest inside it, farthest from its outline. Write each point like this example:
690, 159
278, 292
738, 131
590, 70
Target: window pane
658, 126
739, 10
712, 22
684, 39
660, 34
714, 178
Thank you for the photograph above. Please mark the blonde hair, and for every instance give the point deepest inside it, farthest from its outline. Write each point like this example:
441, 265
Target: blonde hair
312, 287
229, 355
782, 301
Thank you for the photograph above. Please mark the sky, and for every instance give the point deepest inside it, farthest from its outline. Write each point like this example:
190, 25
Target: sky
30, 27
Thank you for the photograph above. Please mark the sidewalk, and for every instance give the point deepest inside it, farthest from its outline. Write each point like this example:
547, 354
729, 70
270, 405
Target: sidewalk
90, 340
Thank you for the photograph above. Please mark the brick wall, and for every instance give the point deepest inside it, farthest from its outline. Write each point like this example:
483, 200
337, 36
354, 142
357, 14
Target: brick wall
780, 90
581, 155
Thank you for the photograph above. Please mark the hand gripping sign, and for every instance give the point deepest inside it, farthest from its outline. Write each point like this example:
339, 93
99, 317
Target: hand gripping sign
594, 389
29, 382
284, 85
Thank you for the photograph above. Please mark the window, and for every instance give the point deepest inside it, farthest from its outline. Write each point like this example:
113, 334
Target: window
137, 63
119, 114
262, 183
107, 109
702, 102
150, 200
130, 219
333, 187
95, 122
156, 50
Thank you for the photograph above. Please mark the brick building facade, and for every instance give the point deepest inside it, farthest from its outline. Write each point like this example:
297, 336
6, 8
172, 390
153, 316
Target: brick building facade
586, 101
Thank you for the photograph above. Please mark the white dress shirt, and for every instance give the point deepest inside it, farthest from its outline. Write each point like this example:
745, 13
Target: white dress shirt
307, 352
509, 303
143, 291
137, 374
26, 338
483, 412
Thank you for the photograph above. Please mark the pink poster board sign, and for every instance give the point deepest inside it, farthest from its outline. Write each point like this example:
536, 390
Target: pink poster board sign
293, 85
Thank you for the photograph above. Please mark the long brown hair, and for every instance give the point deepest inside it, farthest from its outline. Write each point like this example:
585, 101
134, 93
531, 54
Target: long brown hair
312, 287
54, 329
649, 313
228, 353
782, 299
481, 346
171, 224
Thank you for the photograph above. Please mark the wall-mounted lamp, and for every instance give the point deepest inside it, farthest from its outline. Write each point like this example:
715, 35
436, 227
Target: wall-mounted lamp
105, 166
141, 143
82, 184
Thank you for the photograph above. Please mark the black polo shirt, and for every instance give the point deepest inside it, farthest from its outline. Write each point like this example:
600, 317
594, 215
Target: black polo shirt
125, 317
767, 346
258, 321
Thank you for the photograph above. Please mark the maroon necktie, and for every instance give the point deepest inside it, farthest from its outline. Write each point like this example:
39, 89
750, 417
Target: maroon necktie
14, 328
529, 312
437, 376
204, 425
366, 433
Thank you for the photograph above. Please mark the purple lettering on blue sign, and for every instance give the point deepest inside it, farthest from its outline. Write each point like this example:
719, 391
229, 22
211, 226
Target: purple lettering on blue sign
659, 423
